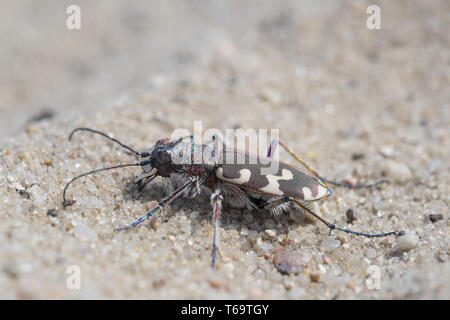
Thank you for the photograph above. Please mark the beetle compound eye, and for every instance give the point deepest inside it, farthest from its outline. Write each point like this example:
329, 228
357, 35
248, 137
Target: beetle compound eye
178, 157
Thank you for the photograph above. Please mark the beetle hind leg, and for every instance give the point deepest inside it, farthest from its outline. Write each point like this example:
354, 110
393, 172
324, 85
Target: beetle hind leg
321, 178
299, 214
332, 226
276, 206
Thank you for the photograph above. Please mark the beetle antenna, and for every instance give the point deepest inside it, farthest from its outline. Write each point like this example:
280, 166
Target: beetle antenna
142, 154
333, 226
67, 203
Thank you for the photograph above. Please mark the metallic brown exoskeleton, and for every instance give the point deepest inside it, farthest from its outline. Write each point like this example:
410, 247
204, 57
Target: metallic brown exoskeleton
243, 183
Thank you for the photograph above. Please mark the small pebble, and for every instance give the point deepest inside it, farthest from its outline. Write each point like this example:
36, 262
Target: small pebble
288, 262
351, 215
270, 95
442, 257
287, 283
217, 283
314, 276
326, 260
407, 241
330, 244
68, 203
42, 115
150, 205
159, 282
69, 226
387, 151
351, 181
343, 238
155, 225
52, 212
358, 156
435, 217
397, 171
285, 242
256, 294
270, 233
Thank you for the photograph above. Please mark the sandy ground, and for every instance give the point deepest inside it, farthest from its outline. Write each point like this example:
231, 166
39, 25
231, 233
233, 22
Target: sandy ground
334, 89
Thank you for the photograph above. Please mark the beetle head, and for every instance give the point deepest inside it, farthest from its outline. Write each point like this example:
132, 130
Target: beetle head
160, 158
165, 155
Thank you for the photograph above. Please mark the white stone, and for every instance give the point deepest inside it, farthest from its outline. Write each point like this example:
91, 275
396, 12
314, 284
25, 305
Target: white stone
397, 171
407, 242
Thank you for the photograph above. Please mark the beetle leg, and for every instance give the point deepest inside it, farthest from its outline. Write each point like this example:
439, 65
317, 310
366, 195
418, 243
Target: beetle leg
277, 205
216, 201
355, 186
272, 147
325, 180
142, 183
332, 226
161, 205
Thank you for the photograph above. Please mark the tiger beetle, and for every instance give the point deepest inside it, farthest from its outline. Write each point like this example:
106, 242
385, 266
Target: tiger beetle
242, 184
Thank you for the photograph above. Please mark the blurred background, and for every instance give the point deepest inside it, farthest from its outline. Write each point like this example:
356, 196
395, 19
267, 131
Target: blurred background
46, 68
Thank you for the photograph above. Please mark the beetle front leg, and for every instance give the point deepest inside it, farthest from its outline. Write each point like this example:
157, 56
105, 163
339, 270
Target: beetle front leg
161, 205
216, 201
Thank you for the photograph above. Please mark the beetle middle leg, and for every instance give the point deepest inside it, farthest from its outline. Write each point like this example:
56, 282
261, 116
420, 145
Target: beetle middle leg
216, 201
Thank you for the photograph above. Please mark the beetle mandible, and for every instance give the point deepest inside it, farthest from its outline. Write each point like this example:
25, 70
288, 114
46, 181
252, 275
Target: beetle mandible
242, 184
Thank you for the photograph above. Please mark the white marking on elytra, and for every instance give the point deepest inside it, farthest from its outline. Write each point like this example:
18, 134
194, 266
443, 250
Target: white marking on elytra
307, 194
244, 176
321, 192
273, 187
